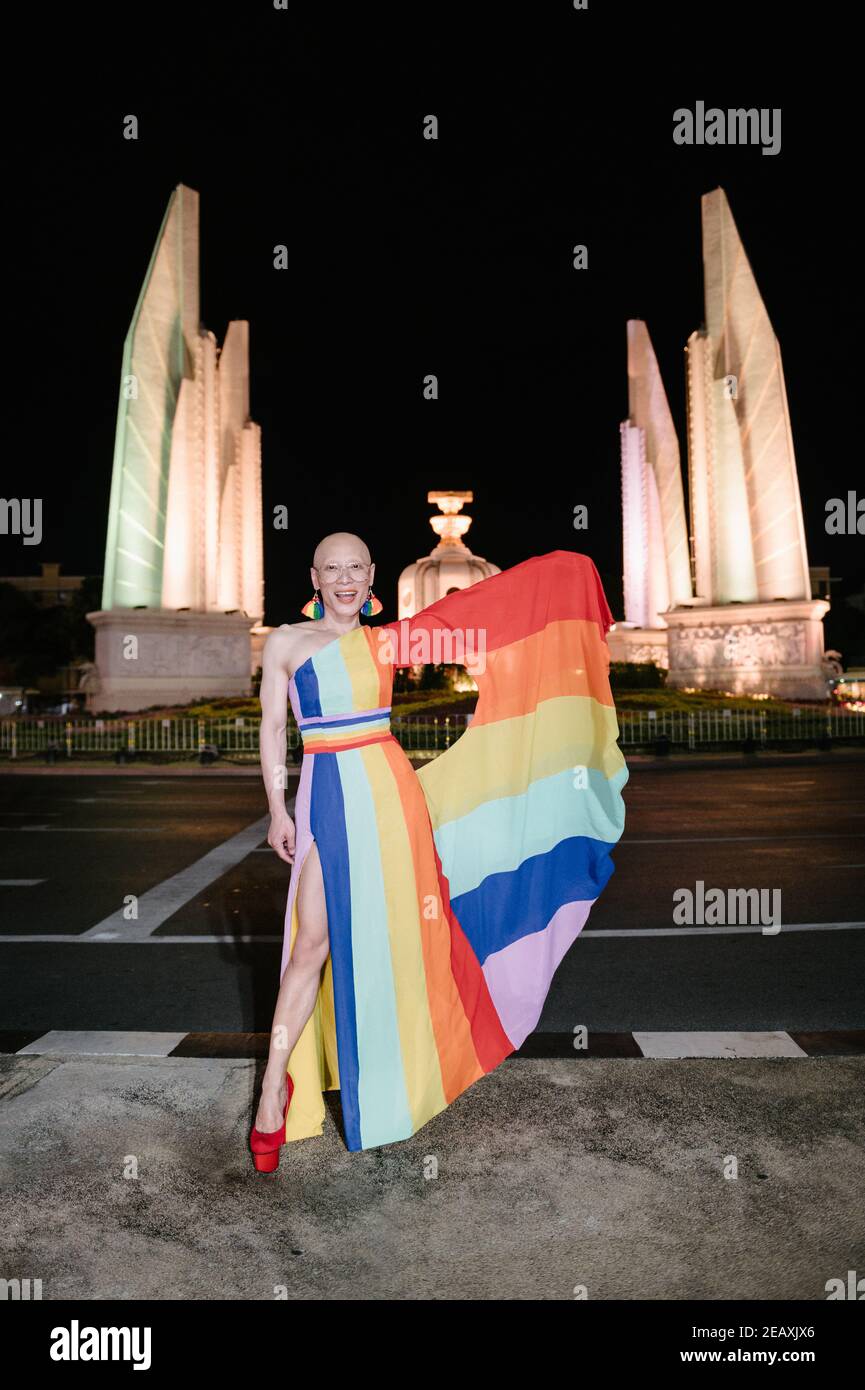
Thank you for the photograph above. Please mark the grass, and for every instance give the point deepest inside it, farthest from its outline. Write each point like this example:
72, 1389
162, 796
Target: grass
438, 703
704, 699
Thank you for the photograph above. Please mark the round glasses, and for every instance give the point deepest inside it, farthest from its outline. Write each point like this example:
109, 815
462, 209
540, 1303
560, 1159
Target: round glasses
332, 571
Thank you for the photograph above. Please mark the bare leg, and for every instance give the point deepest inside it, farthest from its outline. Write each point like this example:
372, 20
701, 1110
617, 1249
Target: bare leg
298, 991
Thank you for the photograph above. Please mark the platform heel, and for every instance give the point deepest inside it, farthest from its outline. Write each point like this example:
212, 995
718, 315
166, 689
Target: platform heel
265, 1147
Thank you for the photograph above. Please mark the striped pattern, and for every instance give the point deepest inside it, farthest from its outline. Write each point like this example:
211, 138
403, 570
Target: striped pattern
452, 894
336, 733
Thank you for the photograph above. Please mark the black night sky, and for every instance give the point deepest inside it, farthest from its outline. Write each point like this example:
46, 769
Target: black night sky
410, 257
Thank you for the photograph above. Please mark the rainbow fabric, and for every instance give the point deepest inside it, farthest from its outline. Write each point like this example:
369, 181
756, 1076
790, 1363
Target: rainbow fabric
452, 893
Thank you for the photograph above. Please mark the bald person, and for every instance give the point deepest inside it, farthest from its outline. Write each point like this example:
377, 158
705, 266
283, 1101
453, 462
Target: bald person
342, 573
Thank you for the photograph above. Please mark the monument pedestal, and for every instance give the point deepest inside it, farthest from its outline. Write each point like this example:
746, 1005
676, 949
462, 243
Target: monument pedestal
749, 648
642, 644
159, 656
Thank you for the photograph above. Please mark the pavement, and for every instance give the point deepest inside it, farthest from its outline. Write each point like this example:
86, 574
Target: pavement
129, 1178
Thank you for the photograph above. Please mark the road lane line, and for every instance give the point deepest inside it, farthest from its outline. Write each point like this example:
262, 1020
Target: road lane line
726, 839
109, 802
121, 938
157, 904
91, 829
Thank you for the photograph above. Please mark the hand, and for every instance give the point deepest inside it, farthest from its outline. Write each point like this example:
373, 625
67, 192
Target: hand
280, 836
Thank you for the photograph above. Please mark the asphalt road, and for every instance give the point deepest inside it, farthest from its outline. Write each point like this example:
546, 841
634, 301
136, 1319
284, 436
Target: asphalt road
82, 844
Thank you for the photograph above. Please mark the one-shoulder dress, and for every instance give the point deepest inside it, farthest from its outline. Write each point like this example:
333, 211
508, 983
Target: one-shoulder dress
453, 892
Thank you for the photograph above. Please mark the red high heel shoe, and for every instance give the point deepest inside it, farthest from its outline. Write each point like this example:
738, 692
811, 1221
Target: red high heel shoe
265, 1147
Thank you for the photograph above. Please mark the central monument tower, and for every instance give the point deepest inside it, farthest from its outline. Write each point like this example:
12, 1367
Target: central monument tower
450, 564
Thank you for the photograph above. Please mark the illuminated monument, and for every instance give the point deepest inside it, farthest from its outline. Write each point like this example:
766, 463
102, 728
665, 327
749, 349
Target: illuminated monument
450, 564
183, 586
657, 570
742, 618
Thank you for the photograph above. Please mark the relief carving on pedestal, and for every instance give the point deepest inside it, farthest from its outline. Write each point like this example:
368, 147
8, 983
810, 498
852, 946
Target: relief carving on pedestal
750, 645
160, 656
216, 655
648, 651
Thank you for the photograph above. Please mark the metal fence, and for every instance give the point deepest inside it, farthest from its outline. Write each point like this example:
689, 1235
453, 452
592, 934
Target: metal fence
22, 737
420, 736
717, 727
63, 736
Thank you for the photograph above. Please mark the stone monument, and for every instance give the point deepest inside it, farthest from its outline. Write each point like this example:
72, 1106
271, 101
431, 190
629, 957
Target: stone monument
184, 583
657, 570
744, 620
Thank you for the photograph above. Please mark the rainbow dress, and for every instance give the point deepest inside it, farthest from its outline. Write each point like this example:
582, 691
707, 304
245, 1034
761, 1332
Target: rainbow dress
452, 893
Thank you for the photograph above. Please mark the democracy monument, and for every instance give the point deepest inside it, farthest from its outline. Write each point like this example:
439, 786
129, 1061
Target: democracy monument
718, 594
183, 591
726, 605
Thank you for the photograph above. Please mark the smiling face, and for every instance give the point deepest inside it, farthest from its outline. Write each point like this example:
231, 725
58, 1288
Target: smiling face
343, 571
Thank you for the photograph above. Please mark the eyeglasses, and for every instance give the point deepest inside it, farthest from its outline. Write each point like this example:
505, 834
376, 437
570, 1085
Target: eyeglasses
333, 571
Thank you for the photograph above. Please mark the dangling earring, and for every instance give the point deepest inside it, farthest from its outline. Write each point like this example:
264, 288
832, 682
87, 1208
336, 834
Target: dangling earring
371, 604
313, 609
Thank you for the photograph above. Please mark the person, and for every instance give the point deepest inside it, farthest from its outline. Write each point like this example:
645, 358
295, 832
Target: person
428, 911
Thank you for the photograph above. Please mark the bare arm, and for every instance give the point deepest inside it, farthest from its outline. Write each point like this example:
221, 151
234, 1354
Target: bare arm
274, 714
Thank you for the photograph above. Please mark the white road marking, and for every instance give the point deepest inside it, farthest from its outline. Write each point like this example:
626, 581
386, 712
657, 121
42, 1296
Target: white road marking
138, 802
659, 1046
20, 882
104, 1044
721, 931
144, 940
84, 829
718, 1045
724, 839
120, 938
159, 903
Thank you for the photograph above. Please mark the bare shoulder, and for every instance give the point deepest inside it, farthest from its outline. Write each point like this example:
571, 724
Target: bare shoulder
288, 645
280, 642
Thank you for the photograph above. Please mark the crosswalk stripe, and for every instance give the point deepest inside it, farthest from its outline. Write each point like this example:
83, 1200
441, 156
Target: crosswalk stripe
161, 902
647, 1046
